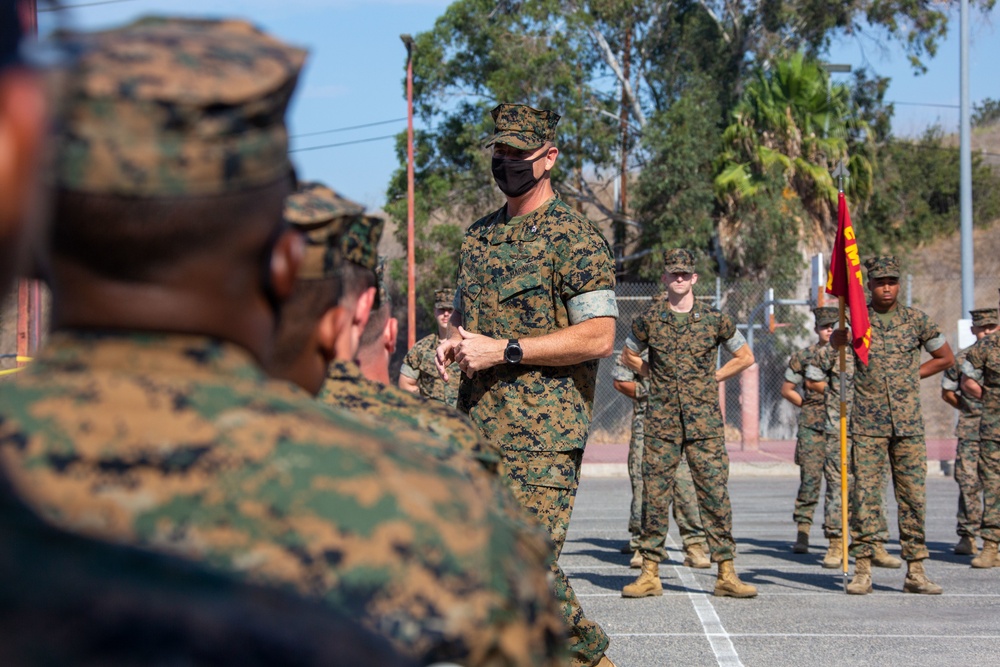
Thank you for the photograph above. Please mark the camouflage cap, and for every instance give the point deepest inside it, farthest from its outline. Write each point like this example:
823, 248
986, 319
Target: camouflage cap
382, 292
678, 260
176, 107
984, 317
826, 315
522, 126
444, 298
335, 228
884, 266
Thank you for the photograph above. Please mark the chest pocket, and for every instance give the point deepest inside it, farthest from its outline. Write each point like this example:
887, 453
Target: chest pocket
524, 285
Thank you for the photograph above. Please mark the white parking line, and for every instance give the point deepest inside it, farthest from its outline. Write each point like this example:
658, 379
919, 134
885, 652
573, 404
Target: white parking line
810, 635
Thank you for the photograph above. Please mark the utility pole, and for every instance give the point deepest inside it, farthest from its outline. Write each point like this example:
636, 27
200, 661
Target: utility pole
29, 292
411, 300
965, 166
619, 227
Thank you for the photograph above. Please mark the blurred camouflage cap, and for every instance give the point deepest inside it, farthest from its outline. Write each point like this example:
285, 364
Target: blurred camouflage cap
984, 317
522, 126
444, 298
884, 266
826, 315
359, 240
678, 260
176, 107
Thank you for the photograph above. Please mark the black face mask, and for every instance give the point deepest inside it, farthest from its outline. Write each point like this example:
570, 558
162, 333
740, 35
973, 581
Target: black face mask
515, 177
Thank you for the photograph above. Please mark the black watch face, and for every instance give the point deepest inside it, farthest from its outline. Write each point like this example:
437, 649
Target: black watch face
513, 353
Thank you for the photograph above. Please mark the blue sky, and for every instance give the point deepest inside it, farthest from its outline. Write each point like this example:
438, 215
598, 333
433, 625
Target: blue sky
357, 66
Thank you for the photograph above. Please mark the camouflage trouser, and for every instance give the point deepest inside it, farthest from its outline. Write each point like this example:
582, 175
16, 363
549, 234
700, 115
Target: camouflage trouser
685, 503
832, 522
907, 458
970, 489
989, 474
545, 483
709, 463
810, 454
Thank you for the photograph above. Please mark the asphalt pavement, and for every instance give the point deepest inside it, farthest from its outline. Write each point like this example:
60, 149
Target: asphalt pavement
801, 615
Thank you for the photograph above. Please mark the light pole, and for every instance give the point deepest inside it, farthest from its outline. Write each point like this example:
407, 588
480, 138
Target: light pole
411, 301
965, 166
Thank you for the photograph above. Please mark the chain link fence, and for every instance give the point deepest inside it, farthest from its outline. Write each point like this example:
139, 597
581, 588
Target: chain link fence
774, 339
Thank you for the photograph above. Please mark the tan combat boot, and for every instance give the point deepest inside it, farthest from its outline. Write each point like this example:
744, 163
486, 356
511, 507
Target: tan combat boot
727, 584
988, 557
636, 561
966, 546
605, 662
694, 556
883, 558
861, 584
648, 582
834, 554
917, 581
801, 545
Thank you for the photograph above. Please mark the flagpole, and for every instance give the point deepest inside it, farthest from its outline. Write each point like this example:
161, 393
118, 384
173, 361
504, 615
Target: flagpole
845, 534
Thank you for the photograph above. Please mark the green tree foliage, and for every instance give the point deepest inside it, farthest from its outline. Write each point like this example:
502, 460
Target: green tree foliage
916, 195
986, 112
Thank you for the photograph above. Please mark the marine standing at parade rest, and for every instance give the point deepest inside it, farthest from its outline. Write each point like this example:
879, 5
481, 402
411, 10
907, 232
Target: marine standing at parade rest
534, 312
419, 373
810, 444
685, 502
148, 418
970, 489
823, 376
684, 421
888, 429
981, 371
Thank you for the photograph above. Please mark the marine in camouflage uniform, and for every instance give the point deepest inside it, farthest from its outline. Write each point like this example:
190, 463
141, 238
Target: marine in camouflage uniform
684, 420
178, 441
810, 445
887, 426
536, 303
970, 489
981, 368
685, 502
419, 372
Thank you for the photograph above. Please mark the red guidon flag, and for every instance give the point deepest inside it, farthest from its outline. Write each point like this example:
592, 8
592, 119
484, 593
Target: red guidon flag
845, 280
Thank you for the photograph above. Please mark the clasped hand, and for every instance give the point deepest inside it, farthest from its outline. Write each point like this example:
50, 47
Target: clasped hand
474, 352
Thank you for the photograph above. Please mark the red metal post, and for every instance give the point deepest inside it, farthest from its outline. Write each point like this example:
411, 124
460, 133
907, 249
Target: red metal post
411, 299
29, 293
750, 407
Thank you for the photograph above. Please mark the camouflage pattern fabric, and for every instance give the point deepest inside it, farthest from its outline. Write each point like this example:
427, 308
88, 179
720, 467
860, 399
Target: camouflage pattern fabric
810, 456
420, 362
812, 414
516, 278
520, 278
182, 94
709, 464
545, 484
982, 364
887, 390
444, 297
69, 600
359, 240
989, 473
522, 126
970, 488
314, 204
685, 502
683, 395
678, 260
870, 460
180, 443
824, 366
883, 266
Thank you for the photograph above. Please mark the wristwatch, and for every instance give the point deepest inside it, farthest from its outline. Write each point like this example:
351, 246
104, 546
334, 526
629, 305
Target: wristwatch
513, 353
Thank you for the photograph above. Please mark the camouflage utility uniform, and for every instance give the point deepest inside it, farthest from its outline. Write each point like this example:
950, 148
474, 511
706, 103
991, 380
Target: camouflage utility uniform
888, 429
418, 364
810, 444
525, 276
982, 364
684, 421
685, 502
970, 489
180, 443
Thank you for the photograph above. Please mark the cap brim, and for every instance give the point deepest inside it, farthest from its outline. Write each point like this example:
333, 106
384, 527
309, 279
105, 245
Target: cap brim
514, 140
679, 268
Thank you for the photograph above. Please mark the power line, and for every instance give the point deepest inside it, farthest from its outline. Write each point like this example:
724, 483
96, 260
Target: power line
59, 8
923, 104
343, 143
345, 129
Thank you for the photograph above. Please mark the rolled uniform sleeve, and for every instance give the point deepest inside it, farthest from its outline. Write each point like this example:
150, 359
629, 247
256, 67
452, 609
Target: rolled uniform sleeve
950, 378
792, 376
600, 303
638, 340
735, 342
814, 373
972, 367
935, 343
409, 371
622, 373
